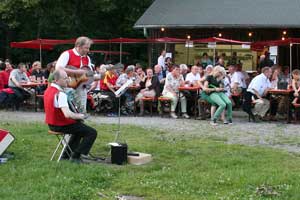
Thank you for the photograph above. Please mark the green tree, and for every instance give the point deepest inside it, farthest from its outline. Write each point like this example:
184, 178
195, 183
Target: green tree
56, 19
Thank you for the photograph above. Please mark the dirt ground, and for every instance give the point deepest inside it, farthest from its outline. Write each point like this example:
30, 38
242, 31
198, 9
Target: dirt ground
271, 134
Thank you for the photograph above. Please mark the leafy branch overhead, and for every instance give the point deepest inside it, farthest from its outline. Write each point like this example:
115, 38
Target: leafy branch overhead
30, 19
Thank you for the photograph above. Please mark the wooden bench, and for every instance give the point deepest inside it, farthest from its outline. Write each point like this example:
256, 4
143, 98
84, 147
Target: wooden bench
164, 103
151, 101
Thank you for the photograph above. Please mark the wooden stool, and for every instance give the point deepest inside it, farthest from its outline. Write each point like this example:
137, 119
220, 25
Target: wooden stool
151, 101
164, 102
63, 143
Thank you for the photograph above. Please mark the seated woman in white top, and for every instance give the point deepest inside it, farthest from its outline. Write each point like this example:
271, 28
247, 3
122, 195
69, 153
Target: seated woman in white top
173, 81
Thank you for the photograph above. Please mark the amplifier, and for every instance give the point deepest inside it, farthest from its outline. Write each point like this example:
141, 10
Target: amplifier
118, 153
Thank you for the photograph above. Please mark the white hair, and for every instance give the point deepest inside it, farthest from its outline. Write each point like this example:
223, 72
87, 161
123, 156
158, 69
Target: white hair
209, 66
131, 66
83, 41
103, 68
183, 66
220, 69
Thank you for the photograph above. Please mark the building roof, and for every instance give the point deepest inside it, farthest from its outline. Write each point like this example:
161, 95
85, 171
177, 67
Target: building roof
221, 14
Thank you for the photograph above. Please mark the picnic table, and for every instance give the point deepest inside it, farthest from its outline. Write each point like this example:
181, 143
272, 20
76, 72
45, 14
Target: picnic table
33, 85
286, 93
195, 97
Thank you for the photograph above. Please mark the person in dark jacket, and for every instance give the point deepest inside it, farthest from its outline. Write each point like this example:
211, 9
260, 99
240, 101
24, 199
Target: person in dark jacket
266, 62
149, 88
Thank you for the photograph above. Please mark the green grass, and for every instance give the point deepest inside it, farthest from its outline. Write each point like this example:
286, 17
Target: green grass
183, 167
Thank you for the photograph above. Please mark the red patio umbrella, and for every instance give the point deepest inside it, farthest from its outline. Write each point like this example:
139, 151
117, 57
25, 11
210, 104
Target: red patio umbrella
167, 40
110, 52
256, 46
41, 44
44, 44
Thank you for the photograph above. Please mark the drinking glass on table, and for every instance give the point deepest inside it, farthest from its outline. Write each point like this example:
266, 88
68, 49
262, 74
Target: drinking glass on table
32, 78
38, 79
194, 83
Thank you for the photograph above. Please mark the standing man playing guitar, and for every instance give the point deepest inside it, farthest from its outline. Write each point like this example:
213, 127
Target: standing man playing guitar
77, 57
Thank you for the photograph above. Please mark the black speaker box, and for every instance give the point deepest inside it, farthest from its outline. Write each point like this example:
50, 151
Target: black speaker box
119, 153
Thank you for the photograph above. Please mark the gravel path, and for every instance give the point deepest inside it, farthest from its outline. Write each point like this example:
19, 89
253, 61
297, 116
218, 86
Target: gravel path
277, 135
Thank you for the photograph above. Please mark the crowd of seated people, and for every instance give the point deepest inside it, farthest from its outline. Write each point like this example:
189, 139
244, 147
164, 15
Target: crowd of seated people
221, 89
12, 79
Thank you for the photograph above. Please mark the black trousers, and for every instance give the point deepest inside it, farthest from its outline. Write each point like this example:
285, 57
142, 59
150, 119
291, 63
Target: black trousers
19, 96
82, 136
115, 100
112, 96
247, 102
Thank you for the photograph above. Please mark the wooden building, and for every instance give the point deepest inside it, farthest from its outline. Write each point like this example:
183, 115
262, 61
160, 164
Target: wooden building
245, 20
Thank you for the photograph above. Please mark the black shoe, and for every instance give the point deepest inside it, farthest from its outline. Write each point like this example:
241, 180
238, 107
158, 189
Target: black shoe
141, 114
230, 121
251, 117
124, 113
65, 158
87, 159
214, 122
201, 118
264, 118
76, 160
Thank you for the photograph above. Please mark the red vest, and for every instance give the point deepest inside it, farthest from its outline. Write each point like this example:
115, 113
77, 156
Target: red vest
75, 60
54, 116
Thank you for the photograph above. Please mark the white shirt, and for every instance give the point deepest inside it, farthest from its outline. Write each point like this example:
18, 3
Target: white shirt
98, 86
227, 86
192, 78
161, 62
64, 59
260, 83
62, 100
239, 78
18, 75
274, 83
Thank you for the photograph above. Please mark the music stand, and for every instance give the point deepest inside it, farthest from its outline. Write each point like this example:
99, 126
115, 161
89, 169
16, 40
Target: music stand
118, 94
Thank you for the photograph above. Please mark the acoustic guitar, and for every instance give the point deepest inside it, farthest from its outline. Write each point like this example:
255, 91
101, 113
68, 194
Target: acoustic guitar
86, 78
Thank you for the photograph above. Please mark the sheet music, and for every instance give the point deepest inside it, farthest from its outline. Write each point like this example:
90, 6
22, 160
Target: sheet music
123, 87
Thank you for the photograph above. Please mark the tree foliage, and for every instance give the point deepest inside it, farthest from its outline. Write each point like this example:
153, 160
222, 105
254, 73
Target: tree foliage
56, 19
